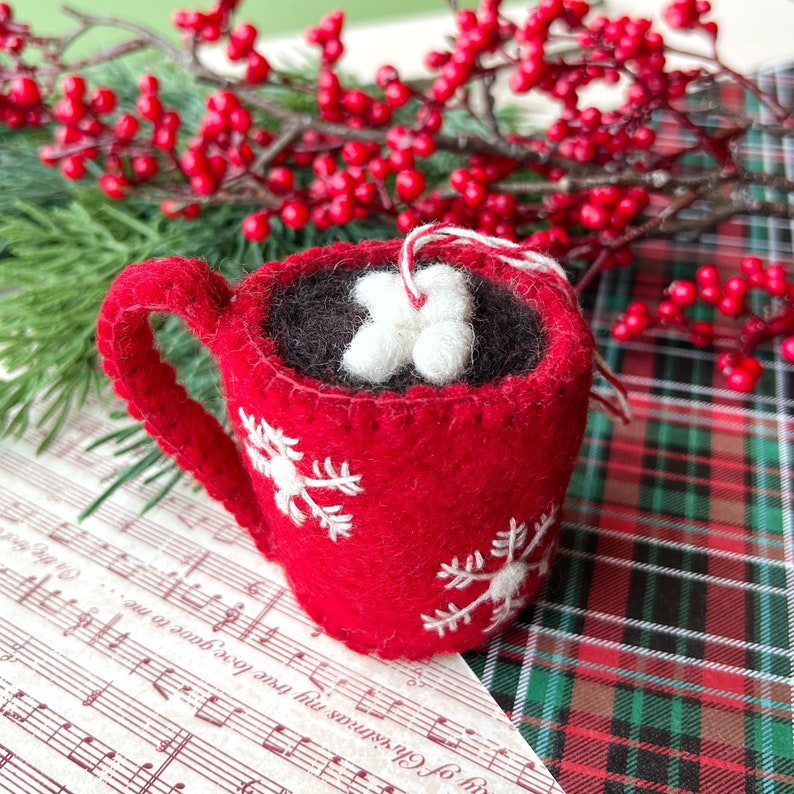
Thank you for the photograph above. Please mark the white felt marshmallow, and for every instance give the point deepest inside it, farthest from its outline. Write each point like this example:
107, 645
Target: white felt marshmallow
437, 336
443, 351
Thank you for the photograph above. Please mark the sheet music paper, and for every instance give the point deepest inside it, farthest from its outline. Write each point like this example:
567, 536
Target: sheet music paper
163, 654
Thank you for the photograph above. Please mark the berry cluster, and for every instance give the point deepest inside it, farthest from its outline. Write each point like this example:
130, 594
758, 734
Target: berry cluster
580, 189
730, 299
20, 94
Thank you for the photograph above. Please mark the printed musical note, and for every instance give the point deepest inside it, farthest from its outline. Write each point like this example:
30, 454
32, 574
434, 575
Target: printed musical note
284, 741
120, 639
35, 584
210, 711
12, 654
144, 772
53, 602
533, 779
194, 596
193, 561
158, 686
21, 707
232, 615
447, 734
143, 661
324, 676
255, 621
377, 704
84, 620
64, 533
94, 695
267, 635
123, 566
104, 629
89, 754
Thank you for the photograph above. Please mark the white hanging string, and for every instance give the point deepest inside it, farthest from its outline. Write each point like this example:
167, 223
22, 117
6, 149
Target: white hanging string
522, 258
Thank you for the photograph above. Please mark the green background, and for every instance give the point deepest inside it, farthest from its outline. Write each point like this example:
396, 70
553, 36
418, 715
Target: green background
270, 16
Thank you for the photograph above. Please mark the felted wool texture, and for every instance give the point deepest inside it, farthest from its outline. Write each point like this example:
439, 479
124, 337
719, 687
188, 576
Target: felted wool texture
441, 470
313, 319
181, 426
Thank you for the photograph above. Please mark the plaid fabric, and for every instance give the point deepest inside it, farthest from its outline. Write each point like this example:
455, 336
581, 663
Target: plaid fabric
659, 657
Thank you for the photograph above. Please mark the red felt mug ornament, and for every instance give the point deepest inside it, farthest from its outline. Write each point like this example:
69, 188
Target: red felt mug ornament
409, 522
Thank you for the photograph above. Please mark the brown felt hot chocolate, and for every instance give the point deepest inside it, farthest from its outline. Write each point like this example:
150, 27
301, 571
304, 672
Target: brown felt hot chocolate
314, 319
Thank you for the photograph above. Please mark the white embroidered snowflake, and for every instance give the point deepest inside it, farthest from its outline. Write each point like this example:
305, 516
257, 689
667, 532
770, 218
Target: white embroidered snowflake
274, 455
514, 547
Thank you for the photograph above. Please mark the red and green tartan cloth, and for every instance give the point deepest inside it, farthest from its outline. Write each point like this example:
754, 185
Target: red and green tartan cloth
659, 656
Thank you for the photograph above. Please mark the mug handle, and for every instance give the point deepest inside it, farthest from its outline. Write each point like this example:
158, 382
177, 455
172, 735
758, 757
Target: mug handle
181, 426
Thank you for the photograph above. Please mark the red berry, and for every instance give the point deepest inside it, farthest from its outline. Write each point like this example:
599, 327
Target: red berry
744, 375
594, 216
775, 281
114, 186
194, 162
750, 265
670, 311
295, 214
256, 227
380, 168
386, 75
402, 159
145, 166
643, 137
710, 294
170, 208
240, 120
332, 51
787, 349
407, 220
203, 184
324, 165
103, 101
410, 184
683, 293
636, 322
707, 274
258, 69
73, 167
475, 194
397, 94
701, 334
69, 111
164, 138
281, 179
341, 209
606, 195
24, 92
148, 84
355, 153
73, 87
191, 211
243, 37
423, 144
728, 360
731, 305
735, 286
126, 127
150, 107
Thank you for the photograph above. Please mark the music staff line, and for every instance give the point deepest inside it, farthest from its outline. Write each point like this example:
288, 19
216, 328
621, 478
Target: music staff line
223, 619
246, 582
75, 744
495, 759
18, 776
222, 711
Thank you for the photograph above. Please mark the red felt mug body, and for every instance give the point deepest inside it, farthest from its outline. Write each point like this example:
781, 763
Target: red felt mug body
408, 524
